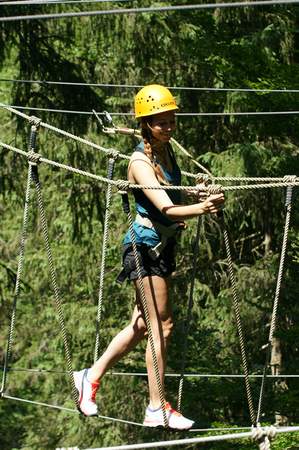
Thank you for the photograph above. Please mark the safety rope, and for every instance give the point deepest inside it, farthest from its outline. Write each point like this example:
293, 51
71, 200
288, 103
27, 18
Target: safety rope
263, 436
19, 271
152, 9
111, 164
268, 346
182, 149
139, 86
289, 181
238, 319
124, 184
199, 440
51, 2
136, 132
181, 114
54, 283
187, 322
33, 161
126, 208
144, 374
62, 132
62, 408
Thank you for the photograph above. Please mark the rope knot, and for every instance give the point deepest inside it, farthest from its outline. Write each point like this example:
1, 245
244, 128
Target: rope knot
289, 179
215, 188
263, 436
270, 432
112, 153
123, 185
35, 121
33, 158
201, 178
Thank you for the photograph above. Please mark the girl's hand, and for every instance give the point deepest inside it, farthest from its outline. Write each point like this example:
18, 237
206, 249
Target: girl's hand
212, 204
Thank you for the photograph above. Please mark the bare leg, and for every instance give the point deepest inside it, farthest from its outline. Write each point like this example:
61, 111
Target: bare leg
121, 344
156, 293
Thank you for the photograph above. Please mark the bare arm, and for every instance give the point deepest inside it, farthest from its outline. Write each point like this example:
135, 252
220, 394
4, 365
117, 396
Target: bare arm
140, 171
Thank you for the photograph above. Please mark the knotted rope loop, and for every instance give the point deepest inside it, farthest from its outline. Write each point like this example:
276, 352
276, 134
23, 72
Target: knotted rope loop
270, 432
263, 436
123, 185
33, 158
34, 121
112, 153
257, 433
202, 178
289, 179
215, 188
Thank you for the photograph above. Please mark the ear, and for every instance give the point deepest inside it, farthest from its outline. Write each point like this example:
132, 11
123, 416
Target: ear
148, 126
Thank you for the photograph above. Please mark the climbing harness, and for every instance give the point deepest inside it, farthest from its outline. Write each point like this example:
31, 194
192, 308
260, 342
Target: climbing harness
166, 232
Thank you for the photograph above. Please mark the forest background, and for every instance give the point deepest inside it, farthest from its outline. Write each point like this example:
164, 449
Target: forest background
255, 48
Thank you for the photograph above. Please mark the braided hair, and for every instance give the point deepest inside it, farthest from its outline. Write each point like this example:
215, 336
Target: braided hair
149, 149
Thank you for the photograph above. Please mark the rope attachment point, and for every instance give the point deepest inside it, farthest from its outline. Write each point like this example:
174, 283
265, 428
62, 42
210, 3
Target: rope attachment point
290, 179
113, 154
35, 121
263, 436
123, 185
33, 157
202, 178
215, 188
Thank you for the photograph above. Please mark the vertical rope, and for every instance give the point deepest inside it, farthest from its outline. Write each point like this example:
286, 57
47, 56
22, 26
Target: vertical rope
288, 205
110, 171
238, 321
54, 282
18, 277
186, 326
126, 208
31, 147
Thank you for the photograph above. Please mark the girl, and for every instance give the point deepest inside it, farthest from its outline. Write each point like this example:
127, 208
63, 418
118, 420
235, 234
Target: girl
160, 214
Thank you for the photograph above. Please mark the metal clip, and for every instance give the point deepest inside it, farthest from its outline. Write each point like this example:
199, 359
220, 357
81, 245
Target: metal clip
155, 252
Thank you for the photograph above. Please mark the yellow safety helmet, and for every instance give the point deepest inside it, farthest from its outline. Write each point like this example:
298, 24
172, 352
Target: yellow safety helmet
153, 99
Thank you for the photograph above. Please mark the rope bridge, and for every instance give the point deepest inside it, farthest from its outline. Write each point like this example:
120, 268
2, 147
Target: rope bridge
261, 435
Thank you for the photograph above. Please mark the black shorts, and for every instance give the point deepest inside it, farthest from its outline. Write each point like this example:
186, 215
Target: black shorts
163, 266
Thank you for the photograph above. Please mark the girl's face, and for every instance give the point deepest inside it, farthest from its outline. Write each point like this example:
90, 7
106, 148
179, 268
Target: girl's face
163, 125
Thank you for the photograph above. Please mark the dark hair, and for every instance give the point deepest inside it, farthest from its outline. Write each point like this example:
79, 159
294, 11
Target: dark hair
149, 148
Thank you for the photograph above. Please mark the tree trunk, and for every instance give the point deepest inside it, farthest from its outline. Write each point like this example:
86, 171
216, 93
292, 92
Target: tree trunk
280, 385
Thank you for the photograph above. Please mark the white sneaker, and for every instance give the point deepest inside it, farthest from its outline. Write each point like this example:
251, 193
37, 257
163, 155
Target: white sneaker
87, 393
154, 418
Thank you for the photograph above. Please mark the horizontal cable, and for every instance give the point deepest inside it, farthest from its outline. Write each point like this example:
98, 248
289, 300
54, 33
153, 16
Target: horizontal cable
51, 2
114, 419
137, 86
131, 114
64, 133
153, 9
160, 443
204, 375
198, 440
62, 408
144, 374
39, 403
